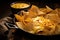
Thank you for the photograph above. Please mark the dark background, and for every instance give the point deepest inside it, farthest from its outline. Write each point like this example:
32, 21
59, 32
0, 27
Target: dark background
5, 10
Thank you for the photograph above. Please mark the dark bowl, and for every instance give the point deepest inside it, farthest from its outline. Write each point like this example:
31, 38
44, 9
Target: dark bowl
15, 10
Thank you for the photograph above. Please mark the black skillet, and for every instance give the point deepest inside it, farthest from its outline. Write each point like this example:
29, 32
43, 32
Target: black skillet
39, 36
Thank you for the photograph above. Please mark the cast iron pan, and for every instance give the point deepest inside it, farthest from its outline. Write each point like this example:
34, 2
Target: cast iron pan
52, 5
